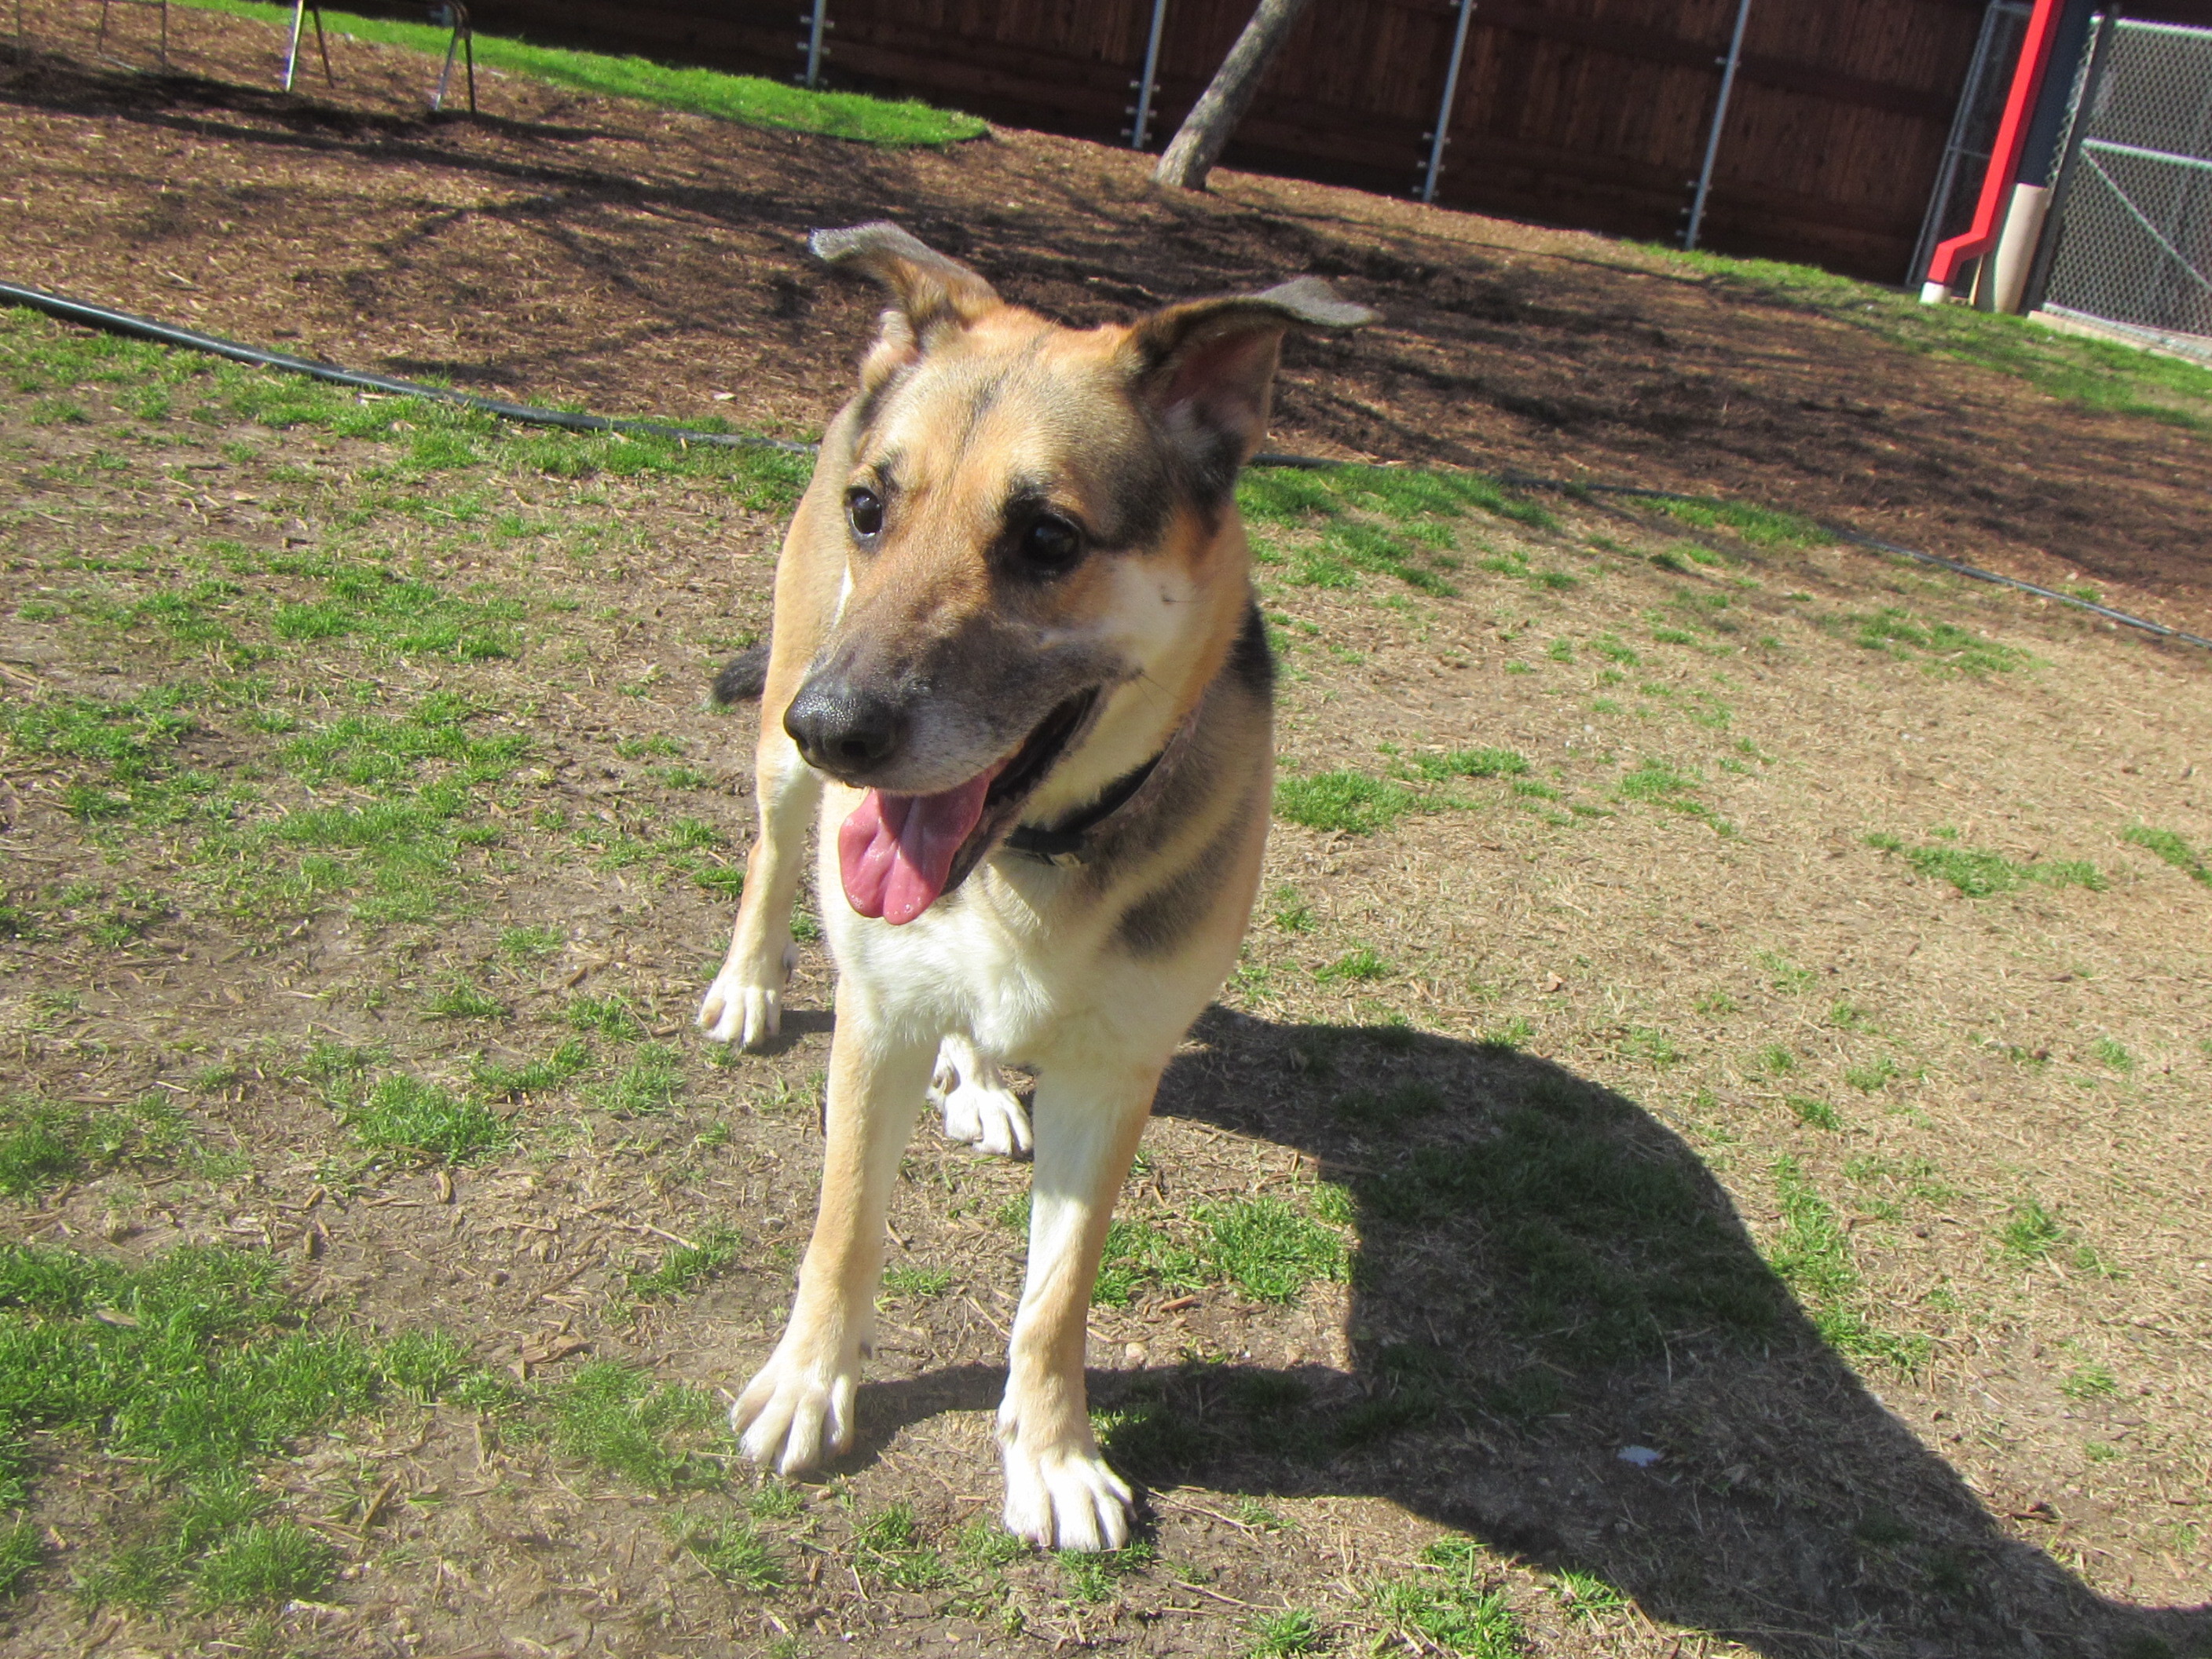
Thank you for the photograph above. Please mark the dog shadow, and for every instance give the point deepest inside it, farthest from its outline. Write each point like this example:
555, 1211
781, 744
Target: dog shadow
1546, 1278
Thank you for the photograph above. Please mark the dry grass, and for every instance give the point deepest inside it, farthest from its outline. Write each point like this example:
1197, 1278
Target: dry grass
1734, 998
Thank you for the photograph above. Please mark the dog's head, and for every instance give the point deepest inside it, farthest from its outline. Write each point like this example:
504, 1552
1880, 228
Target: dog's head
1043, 565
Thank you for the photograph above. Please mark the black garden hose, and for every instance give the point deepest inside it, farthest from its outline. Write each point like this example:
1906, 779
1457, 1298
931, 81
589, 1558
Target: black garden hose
145, 328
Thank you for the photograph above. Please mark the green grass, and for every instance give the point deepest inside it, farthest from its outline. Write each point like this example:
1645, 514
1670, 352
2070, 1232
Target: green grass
2090, 1382
1814, 1112
530, 943
129, 744
1282, 1635
1761, 526
1139, 1256
911, 1283
532, 1076
2091, 373
649, 1086
412, 1122
1406, 1098
1874, 1076
197, 1367
43, 1143
462, 1000
1944, 647
1444, 1606
889, 1549
1585, 1596
1090, 1578
1354, 966
23, 1547
1655, 782
437, 447
608, 1017
1784, 976
2167, 845
1469, 763
1302, 496
1352, 803
1980, 873
741, 98
614, 1417
264, 1564
1813, 1255
729, 1549
1369, 548
688, 1266
2030, 1233
1268, 1249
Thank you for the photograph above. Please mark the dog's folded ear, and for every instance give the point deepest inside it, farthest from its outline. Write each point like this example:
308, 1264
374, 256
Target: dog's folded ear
1206, 369
931, 293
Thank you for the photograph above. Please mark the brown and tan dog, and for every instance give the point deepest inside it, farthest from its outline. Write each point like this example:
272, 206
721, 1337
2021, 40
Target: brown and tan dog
1015, 634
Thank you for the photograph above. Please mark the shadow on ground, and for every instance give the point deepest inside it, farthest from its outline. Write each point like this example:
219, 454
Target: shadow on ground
1546, 1276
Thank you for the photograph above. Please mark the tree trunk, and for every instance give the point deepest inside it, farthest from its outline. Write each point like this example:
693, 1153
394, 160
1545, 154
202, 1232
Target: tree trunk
1198, 143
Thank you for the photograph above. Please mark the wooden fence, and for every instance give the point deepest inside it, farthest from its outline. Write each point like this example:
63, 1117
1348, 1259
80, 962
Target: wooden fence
1585, 113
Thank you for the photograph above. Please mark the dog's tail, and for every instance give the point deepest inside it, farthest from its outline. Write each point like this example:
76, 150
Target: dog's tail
743, 678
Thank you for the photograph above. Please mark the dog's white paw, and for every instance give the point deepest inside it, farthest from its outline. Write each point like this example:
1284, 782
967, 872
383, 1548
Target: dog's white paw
738, 1008
796, 1413
984, 1114
1065, 1497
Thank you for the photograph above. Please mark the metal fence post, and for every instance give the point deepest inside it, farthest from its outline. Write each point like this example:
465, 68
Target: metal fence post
816, 23
1445, 105
1713, 137
1143, 113
2070, 158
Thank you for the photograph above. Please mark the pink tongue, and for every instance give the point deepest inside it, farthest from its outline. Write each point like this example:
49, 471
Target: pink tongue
895, 852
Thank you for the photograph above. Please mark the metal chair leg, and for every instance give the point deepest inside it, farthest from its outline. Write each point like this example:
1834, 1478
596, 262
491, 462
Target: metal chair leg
329, 79
292, 56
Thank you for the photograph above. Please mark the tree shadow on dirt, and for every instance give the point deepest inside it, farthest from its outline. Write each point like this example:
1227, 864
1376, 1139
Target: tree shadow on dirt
1546, 1276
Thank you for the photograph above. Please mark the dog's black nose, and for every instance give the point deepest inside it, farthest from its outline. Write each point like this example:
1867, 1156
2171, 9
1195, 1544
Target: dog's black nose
842, 729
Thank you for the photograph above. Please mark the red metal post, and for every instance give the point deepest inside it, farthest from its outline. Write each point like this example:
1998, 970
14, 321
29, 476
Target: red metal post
2004, 159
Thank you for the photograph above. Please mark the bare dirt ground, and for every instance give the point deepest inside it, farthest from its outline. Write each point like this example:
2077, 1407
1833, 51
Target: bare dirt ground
636, 261
1654, 1107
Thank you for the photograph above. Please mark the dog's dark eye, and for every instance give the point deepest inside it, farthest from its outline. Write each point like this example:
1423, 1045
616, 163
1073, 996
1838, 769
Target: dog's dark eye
1050, 544
865, 509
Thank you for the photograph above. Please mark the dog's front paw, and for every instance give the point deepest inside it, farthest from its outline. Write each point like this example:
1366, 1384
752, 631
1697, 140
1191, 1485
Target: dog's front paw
795, 1413
1064, 1497
740, 1008
985, 1115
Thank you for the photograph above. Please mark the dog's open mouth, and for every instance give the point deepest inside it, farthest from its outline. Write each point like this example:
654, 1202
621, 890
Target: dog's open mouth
898, 854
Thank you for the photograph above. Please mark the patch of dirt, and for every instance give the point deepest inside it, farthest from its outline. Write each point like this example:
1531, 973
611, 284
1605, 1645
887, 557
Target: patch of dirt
566, 247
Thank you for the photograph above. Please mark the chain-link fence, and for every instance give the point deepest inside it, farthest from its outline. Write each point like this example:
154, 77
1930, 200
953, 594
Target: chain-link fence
2133, 200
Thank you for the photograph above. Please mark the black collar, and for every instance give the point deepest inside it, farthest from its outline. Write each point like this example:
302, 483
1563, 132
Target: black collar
1066, 840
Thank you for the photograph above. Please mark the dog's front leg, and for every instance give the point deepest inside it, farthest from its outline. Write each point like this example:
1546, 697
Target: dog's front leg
745, 1005
800, 1405
1060, 1493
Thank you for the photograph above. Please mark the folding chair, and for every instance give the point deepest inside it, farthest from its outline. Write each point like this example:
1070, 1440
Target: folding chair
464, 41
99, 40
300, 10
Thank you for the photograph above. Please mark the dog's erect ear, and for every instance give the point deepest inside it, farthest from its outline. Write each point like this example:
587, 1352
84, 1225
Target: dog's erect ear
1206, 369
930, 293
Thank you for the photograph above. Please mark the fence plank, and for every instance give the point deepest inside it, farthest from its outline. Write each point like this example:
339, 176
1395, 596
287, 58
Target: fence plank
1587, 112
